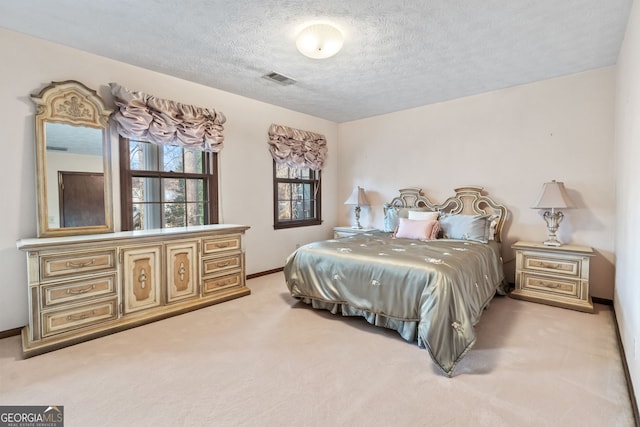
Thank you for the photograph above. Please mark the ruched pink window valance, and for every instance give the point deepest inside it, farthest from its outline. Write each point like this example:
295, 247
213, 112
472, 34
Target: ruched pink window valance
160, 121
297, 148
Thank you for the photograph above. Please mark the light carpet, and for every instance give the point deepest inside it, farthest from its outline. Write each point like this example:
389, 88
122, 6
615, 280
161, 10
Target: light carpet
268, 360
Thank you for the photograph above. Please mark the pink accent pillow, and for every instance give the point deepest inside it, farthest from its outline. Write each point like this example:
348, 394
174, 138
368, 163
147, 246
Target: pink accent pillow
420, 229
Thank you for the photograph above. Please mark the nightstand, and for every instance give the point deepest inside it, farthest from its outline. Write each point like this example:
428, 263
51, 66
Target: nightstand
553, 275
348, 231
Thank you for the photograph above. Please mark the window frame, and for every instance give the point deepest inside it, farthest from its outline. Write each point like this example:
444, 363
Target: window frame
210, 175
317, 185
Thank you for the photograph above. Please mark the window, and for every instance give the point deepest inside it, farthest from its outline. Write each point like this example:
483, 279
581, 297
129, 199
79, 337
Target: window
164, 186
296, 196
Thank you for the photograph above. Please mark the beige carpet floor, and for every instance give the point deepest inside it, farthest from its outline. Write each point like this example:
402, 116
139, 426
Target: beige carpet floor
267, 360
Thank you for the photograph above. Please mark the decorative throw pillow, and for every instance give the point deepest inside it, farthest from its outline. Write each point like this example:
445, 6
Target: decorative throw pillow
420, 229
423, 215
465, 227
390, 218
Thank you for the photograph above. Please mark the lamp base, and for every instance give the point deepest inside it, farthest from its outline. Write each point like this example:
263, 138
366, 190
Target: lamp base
552, 243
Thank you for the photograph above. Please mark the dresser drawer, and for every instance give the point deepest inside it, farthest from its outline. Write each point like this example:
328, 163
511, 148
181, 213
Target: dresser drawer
215, 284
60, 265
78, 290
220, 265
221, 244
561, 286
67, 319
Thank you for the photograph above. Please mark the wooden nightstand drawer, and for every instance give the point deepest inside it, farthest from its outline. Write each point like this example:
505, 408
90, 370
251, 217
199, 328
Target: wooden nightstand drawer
57, 321
78, 290
60, 265
553, 265
557, 286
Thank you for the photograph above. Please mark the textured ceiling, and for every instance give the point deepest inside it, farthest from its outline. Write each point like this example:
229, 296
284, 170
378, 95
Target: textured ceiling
397, 54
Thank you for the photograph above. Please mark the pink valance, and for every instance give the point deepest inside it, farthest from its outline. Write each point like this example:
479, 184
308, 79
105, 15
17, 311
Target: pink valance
160, 121
297, 148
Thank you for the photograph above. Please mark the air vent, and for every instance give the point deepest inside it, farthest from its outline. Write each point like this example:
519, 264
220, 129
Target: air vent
279, 78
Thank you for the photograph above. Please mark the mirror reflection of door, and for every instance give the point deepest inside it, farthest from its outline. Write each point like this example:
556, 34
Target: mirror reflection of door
81, 198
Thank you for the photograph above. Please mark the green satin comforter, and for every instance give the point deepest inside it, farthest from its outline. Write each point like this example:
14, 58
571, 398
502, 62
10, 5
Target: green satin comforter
433, 292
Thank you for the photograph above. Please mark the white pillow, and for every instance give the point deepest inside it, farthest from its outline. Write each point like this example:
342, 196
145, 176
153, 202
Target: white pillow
421, 215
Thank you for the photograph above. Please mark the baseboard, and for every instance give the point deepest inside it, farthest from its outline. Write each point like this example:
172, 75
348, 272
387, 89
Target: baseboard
10, 333
627, 376
264, 273
602, 301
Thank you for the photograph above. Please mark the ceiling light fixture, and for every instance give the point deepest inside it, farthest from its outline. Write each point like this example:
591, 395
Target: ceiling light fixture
319, 41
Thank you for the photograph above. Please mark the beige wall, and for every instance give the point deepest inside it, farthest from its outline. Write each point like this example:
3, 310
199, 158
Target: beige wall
627, 161
510, 142
246, 168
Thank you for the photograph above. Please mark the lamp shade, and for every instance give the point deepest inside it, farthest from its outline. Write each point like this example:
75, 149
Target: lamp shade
553, 196
357, 197
319, 41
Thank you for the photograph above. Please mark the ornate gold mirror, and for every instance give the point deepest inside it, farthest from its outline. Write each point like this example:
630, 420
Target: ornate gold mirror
73, 163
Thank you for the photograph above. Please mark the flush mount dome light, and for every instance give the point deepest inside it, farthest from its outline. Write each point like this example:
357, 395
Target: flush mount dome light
319, 41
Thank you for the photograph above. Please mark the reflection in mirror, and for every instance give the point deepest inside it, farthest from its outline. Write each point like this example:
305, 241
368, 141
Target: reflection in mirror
73, 162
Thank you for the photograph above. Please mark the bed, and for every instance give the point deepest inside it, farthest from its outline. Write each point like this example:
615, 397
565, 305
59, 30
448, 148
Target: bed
432, 291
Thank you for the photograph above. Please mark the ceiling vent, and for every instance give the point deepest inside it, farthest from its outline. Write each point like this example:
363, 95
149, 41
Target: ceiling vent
279, 78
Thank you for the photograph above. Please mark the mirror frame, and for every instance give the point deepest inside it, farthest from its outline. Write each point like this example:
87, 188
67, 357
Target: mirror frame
70, 102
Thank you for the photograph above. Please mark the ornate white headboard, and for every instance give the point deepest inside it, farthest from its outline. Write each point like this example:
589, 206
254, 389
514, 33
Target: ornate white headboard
467, 201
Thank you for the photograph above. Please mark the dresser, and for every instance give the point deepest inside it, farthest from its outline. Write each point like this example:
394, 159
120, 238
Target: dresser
83, 287
552, 275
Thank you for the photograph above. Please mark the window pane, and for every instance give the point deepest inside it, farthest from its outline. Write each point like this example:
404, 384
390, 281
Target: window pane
193, 161
143, 156
174, 215
304, 173
306, 210
284, 191
195, 213
145, 189
174, 189
195, 190
172, 158
282, 171
284, 211
138, 216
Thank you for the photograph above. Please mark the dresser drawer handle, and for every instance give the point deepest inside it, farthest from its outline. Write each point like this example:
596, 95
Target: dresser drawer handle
226, 282
223, 245
80, 290
81, 264
223, 264
554, 266
82, 316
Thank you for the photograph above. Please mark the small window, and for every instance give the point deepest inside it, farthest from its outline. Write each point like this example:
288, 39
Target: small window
296, 196
166, 186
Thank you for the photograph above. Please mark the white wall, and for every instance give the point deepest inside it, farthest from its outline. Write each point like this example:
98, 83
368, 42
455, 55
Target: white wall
627, 161
246, 168
510, 142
